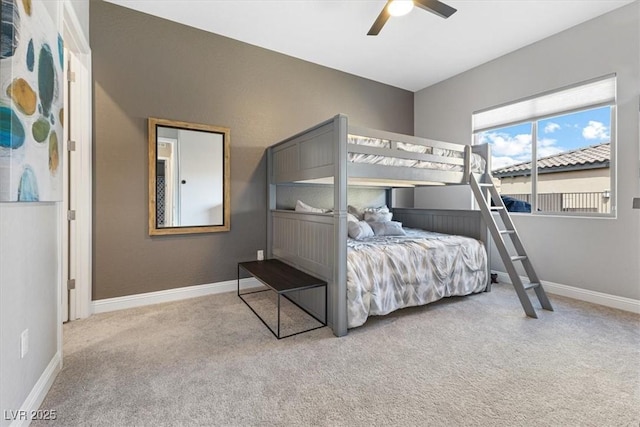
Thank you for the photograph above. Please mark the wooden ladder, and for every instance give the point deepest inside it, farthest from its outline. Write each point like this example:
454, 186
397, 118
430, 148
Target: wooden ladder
508, 259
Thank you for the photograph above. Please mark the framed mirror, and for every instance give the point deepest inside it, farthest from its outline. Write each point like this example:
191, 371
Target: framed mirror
189, 178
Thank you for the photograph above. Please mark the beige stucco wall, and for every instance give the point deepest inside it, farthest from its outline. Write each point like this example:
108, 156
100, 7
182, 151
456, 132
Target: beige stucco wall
560, 182
565, 185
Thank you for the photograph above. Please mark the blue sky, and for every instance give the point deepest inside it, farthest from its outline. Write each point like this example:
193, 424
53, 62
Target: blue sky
511, 145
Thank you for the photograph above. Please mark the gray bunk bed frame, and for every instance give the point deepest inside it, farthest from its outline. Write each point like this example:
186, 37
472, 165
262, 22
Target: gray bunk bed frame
317, 243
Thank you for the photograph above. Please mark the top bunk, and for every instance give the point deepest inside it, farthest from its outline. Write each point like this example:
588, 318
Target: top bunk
335, 150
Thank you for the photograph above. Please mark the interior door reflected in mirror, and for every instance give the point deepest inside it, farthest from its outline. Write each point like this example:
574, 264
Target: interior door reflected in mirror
188, 177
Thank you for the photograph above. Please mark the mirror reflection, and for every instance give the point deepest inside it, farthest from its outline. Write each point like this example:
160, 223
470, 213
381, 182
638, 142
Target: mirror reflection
188, 176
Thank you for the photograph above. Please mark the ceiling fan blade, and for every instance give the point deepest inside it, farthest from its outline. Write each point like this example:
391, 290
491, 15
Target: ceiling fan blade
436, 7
380, 21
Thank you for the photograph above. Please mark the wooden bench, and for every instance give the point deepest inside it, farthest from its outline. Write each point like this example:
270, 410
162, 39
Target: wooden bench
282, 278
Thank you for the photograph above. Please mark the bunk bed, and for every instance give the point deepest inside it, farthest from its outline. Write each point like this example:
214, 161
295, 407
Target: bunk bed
339, 156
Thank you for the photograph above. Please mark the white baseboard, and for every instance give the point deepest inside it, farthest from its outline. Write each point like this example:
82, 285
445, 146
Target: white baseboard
608, 300
169, 295
29, 408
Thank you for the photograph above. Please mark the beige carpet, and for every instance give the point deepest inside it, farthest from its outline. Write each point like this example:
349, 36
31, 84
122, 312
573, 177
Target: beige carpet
465, 361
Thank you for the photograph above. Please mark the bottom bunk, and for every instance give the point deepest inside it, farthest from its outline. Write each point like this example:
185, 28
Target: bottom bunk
416, 267
447, 256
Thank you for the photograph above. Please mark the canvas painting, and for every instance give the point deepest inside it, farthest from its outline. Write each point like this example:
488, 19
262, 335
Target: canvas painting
31, 103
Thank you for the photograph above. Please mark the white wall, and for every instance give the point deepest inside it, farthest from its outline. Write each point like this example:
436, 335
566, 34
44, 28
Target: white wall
81, 9
29, 279
594, 254
30, 275
444, 197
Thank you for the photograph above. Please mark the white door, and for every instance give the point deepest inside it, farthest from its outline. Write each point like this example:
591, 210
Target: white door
76, 205
200, 203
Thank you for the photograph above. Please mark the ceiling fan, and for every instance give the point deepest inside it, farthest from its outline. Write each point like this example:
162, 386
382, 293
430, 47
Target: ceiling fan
402, 7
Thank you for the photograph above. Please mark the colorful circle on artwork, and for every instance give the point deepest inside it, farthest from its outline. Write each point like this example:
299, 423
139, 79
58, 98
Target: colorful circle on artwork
11, 130
28, 187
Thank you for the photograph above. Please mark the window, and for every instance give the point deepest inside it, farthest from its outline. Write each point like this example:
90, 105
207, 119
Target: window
553, 154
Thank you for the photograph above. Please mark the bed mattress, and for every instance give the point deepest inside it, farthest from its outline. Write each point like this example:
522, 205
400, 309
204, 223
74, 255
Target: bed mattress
477, 162
386, 273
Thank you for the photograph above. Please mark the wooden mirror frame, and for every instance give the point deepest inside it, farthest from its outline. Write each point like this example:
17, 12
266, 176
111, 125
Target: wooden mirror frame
154, 230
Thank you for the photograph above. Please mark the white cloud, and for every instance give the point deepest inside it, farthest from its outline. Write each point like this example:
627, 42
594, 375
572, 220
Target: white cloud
508, 150
502, 144
546, 142
551, 127
547, 147
500, 162
595, 130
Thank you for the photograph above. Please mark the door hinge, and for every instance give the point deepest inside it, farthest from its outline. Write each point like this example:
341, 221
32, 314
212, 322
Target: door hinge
71, 145
71, 215
71, 76
71, 284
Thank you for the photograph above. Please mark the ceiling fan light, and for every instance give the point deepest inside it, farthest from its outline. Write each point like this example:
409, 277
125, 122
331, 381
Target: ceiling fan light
400, 7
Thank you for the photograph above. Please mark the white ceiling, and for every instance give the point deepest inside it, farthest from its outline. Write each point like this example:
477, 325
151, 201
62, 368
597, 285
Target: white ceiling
411, 52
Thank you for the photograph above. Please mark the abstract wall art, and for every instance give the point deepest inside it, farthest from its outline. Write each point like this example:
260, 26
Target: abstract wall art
31, 103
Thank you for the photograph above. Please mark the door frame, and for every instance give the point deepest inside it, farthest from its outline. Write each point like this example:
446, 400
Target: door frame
76, 42
170, 178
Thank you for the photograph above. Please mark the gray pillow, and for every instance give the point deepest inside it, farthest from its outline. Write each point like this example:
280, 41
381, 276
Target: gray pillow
360, 212
359, 230
380, 209
378, 216
388, 228
355, 212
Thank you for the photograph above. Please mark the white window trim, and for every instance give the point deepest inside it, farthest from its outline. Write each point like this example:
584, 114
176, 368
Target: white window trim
529, 110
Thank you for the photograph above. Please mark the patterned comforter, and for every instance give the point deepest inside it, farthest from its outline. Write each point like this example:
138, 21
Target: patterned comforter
385, 273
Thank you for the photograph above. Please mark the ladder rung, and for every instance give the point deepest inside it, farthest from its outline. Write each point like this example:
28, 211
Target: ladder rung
507, 231
485, 184
532, 285
518, 257
496, 208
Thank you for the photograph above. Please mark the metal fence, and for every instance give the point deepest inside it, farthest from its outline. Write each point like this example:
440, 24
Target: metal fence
591, 202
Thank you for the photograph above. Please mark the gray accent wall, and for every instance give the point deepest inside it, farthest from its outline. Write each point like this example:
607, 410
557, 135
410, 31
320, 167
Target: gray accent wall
145, 66
593, 254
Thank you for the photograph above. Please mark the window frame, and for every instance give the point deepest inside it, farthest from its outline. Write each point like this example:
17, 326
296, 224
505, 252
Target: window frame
534, 120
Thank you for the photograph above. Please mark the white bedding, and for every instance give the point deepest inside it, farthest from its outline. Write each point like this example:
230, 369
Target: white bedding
477, 162
385, 273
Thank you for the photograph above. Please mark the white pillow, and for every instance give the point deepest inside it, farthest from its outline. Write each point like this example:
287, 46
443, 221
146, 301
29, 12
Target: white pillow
303, 207
359, 230
378, 216
389, 228
351, 218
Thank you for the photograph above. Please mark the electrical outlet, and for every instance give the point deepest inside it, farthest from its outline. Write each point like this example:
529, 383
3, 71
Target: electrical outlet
24, 343
260, 255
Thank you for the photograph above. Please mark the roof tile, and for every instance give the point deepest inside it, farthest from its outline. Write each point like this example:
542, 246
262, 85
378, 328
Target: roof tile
582, 156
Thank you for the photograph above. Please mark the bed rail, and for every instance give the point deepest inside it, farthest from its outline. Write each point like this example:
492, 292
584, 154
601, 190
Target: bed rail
316, 153
398, 137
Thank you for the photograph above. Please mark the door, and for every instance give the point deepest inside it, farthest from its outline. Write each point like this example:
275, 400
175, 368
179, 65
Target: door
76, 205
68, 209
199, 202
